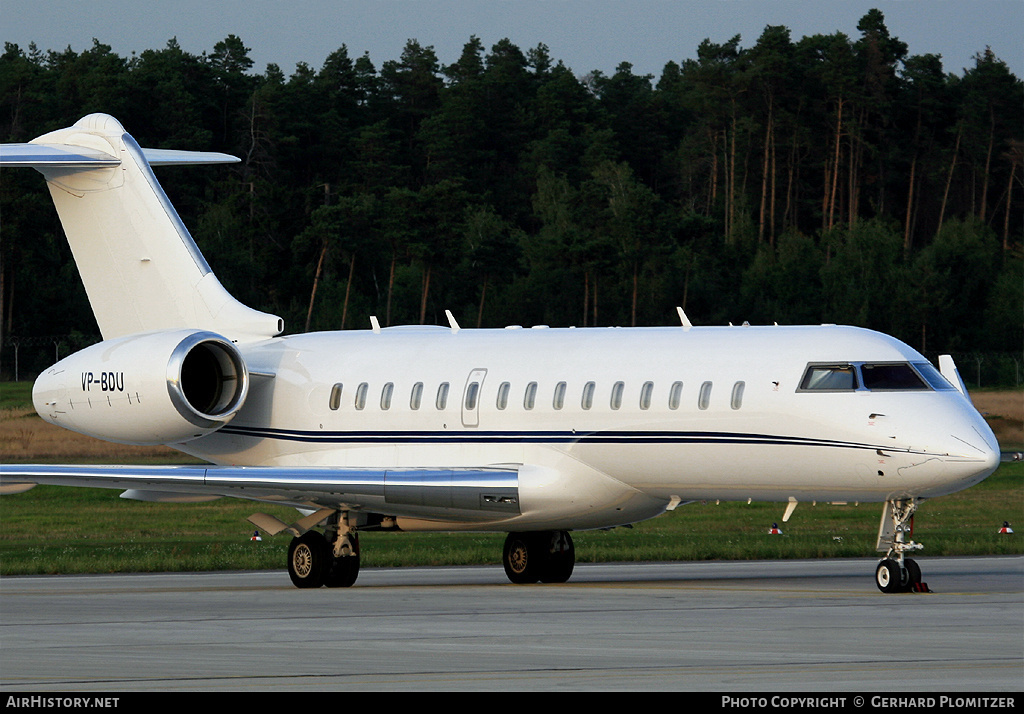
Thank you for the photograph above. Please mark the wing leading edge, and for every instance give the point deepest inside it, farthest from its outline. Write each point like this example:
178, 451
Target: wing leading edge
467, 494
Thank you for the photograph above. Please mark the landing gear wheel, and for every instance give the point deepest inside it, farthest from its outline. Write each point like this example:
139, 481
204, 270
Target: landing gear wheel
547, 556
913, 572
888, 577
308, 559
558, 558
342, 572
896, 573
519, 556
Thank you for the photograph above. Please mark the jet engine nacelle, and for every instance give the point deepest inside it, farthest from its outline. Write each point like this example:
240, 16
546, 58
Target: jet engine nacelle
151, 388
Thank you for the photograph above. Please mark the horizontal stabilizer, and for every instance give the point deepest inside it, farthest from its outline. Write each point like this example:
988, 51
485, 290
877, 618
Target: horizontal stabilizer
79, 157
54, 155
171, 157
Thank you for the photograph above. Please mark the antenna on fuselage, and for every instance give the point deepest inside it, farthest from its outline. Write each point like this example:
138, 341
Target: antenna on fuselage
374, 324
452, 322
683, 318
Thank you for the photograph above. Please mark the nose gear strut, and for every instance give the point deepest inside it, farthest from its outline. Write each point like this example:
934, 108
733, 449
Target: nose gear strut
896, 573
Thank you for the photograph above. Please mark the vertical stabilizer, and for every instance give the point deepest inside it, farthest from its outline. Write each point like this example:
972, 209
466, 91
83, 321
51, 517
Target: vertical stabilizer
141, 269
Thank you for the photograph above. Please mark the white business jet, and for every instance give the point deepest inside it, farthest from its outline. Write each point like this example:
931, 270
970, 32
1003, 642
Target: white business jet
531, 432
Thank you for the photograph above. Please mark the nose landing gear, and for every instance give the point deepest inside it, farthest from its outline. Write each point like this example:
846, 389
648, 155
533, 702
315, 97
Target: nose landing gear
896, 573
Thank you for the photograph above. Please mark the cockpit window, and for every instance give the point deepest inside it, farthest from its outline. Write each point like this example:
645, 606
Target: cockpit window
891, 376
933, 376
829, 378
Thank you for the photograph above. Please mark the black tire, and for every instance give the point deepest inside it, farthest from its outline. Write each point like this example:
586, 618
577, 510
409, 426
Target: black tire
342, 572
559, 558
519, 556
913, 573
308, 560
888, 577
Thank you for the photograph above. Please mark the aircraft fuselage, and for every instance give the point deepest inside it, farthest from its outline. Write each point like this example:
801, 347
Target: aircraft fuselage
705, 413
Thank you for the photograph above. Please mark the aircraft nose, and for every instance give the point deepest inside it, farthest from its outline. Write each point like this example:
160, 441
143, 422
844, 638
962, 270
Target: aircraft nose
972, 456
960, 451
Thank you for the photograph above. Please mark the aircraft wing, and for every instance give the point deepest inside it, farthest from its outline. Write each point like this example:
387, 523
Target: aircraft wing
457, 494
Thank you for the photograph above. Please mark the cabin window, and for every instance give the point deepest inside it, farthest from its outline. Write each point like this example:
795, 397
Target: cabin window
385, 395
559, 401
442, 396
645, 395
617, 390
472, 391
503, 391
704, 399
417, 396
829, 378
361, 395
891, 377
530, 398
335, 402
737, 395
675, 395
587, 400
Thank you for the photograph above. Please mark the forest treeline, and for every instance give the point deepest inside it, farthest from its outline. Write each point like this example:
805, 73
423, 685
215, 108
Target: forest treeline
831, 178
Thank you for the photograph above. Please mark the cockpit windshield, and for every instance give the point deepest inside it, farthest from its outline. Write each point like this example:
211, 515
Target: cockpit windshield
933, 376
891, 376
872, 376
828, 378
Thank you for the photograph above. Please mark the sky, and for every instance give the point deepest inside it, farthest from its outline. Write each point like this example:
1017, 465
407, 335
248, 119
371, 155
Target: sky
586, 35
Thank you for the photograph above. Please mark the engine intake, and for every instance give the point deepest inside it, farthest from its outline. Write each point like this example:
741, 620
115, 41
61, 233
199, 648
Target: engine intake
207, 379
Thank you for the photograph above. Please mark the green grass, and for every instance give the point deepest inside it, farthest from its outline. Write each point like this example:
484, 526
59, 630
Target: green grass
16, 395
75, 530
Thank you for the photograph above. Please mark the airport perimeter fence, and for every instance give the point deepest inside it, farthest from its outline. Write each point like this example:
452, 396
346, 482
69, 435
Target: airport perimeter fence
23, 358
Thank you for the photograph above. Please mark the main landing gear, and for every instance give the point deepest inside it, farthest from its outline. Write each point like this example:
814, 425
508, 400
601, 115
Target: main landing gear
543, 556
330, 559
896, 573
